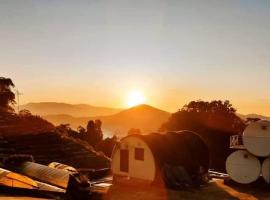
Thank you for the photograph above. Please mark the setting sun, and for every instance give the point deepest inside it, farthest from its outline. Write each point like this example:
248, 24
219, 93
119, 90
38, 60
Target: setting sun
135, 98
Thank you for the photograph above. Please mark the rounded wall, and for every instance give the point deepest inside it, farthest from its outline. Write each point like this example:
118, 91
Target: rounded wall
256, 138
141, 169
243, 167
266, 170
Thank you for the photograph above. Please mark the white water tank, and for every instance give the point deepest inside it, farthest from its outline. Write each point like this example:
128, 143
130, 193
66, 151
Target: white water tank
243, 167
256, 138
266, 170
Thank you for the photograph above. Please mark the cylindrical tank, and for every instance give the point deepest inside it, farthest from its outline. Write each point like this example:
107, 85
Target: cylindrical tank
184, 148
256, 138
243, 167
196, 149
266, 170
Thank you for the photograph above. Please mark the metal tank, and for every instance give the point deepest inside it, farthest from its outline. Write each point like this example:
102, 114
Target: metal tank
256, 138
266, 170
243, 167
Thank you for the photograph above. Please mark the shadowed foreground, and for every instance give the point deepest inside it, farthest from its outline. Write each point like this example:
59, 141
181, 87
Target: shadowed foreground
213, 191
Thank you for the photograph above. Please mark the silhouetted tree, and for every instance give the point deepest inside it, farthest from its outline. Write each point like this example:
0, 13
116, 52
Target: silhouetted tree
63, 129
81, 130
94, 133
24, 113
215, 121
7, 97
133, 131
107, 145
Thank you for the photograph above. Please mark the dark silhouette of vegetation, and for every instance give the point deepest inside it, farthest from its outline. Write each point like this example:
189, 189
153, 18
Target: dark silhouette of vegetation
52, 147
107, 145
133, 131
81, 130
25, 113
7, 96
23, 122
63, 129
215, 121
94, 133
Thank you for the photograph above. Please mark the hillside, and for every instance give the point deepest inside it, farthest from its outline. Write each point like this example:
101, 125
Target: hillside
144, 117
62, 149
254, 116
75, 110
13, 124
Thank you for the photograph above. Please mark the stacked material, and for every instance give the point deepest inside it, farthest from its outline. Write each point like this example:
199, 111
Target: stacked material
244, 166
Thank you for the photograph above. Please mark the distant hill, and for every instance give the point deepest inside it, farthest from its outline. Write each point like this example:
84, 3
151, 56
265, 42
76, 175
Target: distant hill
75, 110
144, 117
254, 116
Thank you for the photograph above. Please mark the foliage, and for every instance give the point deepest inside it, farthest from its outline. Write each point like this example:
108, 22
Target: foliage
215, 121
23, 123
7, 96
24, 113
81, 130
94, 133
107, 145
63, 129
199, 115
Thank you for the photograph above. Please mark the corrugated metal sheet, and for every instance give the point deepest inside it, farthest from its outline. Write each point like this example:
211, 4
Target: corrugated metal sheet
61, 166
11, 179
44, 173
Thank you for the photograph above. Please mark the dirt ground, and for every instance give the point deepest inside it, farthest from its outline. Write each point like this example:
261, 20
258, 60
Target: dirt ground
215, 190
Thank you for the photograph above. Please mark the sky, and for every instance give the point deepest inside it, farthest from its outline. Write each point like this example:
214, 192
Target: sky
171, 51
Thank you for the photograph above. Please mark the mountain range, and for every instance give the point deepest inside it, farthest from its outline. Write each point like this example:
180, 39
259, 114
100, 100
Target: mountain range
75, 110
114, 121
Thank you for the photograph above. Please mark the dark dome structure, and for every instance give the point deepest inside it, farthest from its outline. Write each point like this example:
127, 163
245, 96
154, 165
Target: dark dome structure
161, 154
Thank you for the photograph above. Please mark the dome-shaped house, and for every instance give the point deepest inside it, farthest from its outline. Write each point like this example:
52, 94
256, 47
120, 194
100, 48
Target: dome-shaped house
144, 157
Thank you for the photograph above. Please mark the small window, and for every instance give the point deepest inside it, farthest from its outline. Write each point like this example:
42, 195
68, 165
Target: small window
139, 154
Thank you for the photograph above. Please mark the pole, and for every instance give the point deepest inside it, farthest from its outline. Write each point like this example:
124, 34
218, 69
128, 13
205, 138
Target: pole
18, 99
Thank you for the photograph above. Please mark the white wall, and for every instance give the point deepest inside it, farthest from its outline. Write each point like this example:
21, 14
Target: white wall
137, 169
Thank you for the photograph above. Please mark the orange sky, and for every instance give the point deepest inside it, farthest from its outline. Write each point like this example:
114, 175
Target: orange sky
173, 51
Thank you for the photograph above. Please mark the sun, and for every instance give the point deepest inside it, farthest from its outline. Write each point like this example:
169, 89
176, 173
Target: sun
135, 98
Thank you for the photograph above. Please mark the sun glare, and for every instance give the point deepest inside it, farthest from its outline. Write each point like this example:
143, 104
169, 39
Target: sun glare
135, 98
